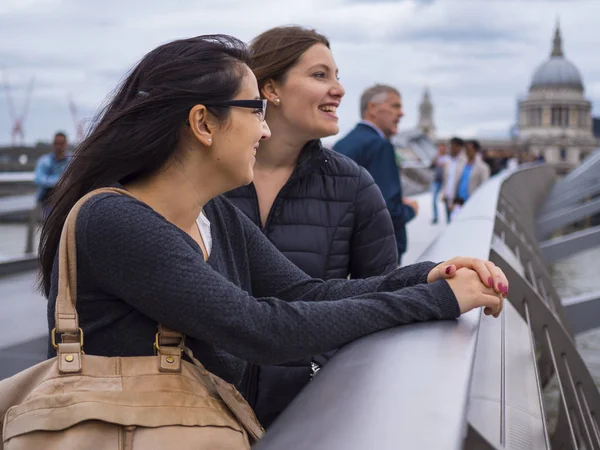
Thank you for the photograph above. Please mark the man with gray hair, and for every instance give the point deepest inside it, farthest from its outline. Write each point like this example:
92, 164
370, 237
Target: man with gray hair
369, 146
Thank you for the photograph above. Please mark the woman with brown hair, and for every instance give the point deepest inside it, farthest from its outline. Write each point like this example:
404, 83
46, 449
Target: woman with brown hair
318, 207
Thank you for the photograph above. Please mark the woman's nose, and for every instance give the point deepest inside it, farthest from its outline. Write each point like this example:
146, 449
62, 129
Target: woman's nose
266, 131
338, 91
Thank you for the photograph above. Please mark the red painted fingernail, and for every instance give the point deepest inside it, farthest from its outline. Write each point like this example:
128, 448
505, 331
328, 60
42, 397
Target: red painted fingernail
490, 281
503, 288
448, 270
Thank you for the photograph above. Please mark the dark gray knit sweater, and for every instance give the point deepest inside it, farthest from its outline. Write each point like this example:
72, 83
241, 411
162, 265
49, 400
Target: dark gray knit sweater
248, 303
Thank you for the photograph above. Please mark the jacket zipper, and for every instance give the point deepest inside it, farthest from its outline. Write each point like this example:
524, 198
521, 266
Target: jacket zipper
285, 187
253, 370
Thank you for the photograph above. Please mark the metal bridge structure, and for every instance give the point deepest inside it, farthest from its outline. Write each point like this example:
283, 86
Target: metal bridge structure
477, 382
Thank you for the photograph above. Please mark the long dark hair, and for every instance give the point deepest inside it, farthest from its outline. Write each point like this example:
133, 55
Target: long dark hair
137, 132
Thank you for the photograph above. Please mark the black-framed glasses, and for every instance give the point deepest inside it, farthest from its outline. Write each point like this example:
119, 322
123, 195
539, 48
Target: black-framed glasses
260, 105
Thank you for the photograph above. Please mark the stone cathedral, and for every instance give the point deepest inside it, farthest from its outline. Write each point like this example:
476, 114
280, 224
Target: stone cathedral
554, 119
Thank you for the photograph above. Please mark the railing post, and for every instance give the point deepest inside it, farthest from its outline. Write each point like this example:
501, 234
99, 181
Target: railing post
32, 223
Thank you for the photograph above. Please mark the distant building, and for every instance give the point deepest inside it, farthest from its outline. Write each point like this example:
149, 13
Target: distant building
426, 123
417, 147
414, 148
555, 119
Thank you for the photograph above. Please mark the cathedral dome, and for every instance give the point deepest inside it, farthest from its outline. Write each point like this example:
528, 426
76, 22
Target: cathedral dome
557, 71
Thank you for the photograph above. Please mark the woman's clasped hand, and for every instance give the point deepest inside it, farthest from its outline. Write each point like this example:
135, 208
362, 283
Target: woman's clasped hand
475, 282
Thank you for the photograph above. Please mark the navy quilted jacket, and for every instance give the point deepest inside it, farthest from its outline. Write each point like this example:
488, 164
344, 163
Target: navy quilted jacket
331, 220
376, 154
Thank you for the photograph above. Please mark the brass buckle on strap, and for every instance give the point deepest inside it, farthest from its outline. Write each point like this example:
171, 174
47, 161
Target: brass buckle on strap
157, 343
53, 338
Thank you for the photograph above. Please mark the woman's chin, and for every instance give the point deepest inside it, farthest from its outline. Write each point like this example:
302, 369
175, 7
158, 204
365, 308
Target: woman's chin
326, 131
249, 178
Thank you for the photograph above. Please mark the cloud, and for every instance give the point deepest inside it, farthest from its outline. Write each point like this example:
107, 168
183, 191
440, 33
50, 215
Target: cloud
477, 57
375, 2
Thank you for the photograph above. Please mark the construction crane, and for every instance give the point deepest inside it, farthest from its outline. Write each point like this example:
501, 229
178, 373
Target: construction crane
17, 131
77, 122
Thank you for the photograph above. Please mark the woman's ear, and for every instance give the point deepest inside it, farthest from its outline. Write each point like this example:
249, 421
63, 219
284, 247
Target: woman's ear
270, 91
200, 124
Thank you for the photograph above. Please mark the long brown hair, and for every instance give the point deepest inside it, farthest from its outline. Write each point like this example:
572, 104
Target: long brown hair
137, 132
276, 50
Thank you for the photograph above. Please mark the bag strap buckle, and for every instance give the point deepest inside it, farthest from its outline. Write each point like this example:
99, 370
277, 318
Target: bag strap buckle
55, 345
160, 338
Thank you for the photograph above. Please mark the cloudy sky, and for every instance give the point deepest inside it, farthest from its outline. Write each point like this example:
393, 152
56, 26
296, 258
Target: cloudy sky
476, 56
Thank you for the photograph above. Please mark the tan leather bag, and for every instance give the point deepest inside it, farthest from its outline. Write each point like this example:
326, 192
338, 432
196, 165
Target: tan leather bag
79, 401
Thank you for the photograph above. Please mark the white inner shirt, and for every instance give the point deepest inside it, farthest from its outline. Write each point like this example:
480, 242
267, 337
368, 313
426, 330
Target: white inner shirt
451, 182
204, 228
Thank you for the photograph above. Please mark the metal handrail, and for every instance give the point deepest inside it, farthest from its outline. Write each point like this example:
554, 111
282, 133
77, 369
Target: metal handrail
471, 383
534, 296
407, 386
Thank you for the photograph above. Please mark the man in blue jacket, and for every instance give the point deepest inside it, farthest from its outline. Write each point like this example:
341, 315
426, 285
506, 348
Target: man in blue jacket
49, 169
369, 146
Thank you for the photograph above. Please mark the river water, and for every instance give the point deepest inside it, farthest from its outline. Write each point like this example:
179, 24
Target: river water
573, 276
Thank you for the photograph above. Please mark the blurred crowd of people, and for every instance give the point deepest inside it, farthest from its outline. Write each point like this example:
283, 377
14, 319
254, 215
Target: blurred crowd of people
462, 166
459, 172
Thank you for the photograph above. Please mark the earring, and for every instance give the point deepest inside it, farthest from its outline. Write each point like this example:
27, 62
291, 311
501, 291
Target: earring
209, 140
277, 101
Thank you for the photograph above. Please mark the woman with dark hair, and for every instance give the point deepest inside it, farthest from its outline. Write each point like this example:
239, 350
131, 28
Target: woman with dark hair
182, 129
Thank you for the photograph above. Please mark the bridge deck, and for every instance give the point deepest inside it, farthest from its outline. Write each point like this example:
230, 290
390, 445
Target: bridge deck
420, 231
16, 177
23, 323
16, 204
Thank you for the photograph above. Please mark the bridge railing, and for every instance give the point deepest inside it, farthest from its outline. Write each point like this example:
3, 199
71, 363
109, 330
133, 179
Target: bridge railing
16, 208
471, 383
534, 296
15, 204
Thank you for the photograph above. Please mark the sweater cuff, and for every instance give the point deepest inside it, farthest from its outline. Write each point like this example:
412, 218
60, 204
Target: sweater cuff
426, 267
406, 276
445, 298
